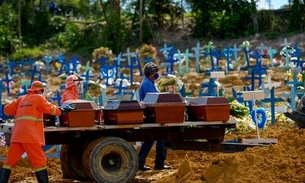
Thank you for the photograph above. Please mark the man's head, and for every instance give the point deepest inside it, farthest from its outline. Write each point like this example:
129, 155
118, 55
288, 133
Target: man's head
73, 80
37, 87
150, 68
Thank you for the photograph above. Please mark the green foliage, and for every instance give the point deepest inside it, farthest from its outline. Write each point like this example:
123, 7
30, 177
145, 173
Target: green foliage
238, 110
27, 52
105, 23
221, 20
8, 29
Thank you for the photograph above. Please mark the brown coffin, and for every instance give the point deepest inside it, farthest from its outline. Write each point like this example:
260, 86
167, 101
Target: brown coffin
164, 108
122, 112
87, 113
208, 109
49, 120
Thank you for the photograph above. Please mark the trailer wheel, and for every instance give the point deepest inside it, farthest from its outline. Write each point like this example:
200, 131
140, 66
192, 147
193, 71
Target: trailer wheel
71, 161
110, 160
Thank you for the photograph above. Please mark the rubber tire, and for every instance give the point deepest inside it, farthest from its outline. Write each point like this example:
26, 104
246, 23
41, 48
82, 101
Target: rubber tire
99, 155
71, 161
263, 120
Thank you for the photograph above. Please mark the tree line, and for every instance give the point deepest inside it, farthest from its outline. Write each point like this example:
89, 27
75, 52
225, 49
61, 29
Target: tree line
32, 27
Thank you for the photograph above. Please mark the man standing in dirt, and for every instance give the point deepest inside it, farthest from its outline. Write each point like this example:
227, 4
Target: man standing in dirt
148, 85
28, 132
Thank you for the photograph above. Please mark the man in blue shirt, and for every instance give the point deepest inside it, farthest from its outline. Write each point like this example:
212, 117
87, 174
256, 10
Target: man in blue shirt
148, 85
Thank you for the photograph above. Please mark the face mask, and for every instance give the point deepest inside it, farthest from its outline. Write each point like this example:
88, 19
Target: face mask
80, 87
156, 75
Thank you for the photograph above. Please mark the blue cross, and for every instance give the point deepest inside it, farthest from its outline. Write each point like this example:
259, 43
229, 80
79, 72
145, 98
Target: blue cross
7, 80
293, 87
11, 66
297, 54
272, 100
197, 54
74, 61
170, 60
117, 63
120, 88
65, 66
56, 97
228, 53
87, 78
211, 85
60, 58
34, 72
165, 49
217, 54
134, 64
47, 59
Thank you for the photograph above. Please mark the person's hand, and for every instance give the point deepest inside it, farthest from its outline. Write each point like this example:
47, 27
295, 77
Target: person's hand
68, 108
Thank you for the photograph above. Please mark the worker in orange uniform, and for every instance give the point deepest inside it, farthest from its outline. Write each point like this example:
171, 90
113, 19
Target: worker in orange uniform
28, 132
73, 88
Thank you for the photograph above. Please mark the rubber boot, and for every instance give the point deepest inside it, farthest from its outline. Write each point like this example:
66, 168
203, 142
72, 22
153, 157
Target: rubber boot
4, 175
42, 176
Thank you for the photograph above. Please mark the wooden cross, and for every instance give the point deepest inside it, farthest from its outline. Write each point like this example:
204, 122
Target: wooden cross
197, 54
48, 59
228, 53
87, 67
129, 55
286, 51
236, 50
271, 53
211, 88
56, 97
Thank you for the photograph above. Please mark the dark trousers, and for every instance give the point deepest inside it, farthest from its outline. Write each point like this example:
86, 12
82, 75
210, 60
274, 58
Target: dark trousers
161, 152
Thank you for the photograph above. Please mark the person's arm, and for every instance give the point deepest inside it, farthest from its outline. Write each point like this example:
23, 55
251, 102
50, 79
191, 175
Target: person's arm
49, 108
11, 108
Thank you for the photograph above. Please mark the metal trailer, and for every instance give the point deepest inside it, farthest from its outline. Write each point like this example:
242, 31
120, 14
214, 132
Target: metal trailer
105, 153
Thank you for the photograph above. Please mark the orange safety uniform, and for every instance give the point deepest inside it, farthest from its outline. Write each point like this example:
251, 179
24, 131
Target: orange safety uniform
70, 94
28, 132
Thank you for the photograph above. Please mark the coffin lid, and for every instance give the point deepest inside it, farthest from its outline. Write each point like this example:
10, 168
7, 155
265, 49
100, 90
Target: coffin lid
206, 100
122, 105
82, 105
164, 97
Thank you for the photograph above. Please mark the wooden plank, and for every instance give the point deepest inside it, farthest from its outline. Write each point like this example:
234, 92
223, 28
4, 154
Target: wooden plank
259, 141
7, 127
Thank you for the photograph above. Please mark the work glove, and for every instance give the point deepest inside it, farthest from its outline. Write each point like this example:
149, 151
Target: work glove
68, 108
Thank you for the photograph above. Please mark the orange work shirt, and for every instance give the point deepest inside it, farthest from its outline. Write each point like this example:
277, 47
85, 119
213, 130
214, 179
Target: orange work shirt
28, 117
70, 94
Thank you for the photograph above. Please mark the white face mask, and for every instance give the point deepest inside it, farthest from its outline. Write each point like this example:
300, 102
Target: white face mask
80, 87
44, 93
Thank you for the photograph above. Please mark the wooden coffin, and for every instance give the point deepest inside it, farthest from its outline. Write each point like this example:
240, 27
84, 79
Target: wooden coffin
49, 120
122, 112
163, 108
87, 113
208, 109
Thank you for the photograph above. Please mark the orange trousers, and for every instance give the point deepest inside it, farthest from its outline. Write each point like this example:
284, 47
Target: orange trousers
34, 152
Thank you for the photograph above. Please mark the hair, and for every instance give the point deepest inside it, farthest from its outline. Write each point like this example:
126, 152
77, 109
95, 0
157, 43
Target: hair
150, 68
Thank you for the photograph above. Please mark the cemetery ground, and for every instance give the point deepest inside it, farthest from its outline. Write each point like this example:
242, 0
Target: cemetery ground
281, 162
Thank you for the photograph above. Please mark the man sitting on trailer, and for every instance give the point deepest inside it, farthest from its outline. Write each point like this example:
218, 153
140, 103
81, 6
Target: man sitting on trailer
148, 85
